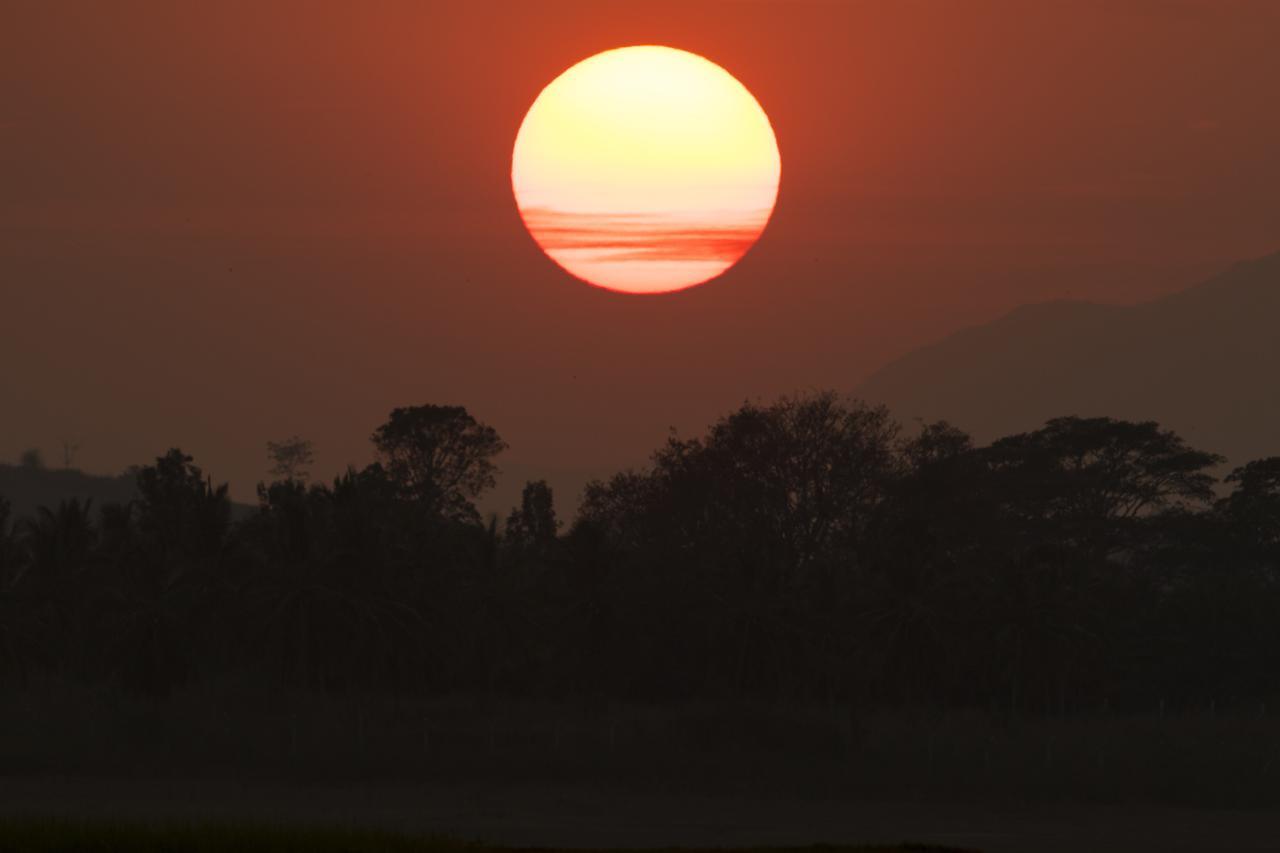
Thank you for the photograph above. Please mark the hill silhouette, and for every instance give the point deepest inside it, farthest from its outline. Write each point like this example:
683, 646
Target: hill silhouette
28, 488
1199, 361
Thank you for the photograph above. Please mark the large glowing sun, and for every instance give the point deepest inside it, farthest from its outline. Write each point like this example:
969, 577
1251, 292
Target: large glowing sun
645, 169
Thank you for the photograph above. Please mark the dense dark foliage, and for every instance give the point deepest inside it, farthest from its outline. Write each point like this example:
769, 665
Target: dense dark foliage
804, 551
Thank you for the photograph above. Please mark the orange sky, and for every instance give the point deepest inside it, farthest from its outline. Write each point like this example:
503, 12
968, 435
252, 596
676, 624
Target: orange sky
233, 222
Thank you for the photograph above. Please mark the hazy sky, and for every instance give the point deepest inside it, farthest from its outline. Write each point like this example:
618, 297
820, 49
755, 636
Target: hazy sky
222, 223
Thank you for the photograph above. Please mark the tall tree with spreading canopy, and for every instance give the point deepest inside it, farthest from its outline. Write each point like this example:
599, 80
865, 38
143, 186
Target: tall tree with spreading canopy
439, 457
1091, 482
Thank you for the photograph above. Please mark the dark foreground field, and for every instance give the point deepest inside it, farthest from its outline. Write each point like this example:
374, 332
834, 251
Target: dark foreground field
44, 835
524, 774
592, 818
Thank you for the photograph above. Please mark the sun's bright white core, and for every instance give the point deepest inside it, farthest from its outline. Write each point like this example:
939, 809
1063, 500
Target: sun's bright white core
645, 169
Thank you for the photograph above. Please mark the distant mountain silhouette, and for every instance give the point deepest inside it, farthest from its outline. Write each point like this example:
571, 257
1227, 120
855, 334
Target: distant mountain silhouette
1204, 362
28, 488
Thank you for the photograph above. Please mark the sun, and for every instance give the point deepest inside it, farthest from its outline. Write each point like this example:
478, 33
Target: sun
645, 169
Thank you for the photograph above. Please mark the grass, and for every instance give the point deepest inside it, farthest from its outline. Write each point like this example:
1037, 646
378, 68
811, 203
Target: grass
48, 835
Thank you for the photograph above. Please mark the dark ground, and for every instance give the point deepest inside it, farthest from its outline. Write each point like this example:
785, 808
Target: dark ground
649, 777
549, 815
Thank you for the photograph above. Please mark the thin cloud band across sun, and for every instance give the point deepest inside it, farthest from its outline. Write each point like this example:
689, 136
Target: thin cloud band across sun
645, 170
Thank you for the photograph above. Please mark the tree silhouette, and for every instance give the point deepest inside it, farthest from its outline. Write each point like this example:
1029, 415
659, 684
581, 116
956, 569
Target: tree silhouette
802, 550
439, 457
19, 621
1253, 508
58, 542
323, 609
533, 525
1093, 480
183, 522
9, 553
178, 508
291, 458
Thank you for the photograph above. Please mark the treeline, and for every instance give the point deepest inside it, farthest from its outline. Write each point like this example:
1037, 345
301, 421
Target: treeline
804, 551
